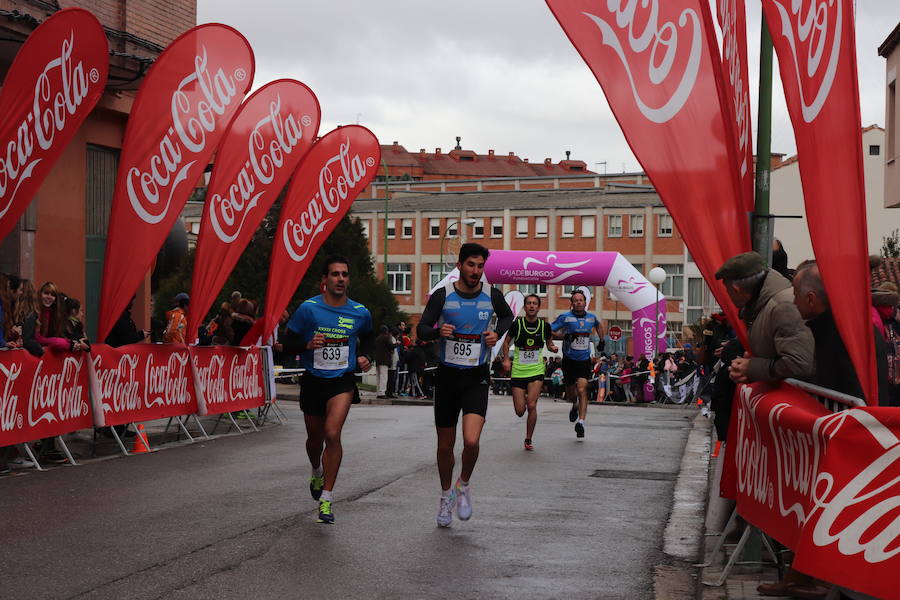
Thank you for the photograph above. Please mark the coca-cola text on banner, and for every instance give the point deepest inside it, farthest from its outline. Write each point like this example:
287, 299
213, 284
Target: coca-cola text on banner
272, 131
659, 67
42, 397
178, 118
141, 382
816, 47
229, 378
56, 79
330, 177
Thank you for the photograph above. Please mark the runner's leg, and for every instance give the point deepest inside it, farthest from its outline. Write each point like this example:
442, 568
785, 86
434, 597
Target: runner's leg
518, 396
581, 385
335, 414
472, 426
534, 390
315, 439
446, 439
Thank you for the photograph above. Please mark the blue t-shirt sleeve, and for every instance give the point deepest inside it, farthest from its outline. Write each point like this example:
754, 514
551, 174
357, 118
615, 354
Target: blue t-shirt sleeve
367, 321
299, 322
559, 323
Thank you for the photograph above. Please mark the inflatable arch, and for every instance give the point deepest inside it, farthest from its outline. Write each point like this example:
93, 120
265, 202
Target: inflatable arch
608, 269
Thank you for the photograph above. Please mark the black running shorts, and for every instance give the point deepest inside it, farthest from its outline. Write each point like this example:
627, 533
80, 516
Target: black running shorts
573, 370
315, 392
457, 390
522, 382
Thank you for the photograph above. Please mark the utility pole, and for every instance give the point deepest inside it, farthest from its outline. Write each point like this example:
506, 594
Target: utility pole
761, 226
387, 199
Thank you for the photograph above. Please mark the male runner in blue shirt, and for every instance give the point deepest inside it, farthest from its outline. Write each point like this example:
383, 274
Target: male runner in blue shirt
574, 328
326, 329
463, 312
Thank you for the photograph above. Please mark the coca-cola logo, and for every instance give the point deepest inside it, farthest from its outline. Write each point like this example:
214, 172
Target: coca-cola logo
212, 381
57, 396
731, 56
671, 52
244, 377
151, 187
10, 418
118, 384
273, 137
751, 454
813, 30
338, 177
167, 384
59, 91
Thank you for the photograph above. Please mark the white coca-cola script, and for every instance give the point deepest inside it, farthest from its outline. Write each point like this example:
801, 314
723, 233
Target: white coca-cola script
59, 91
167, 384
728, 16
662, 42
57, 397
212, 382
9, 415
244, 377
152, 185
814, 69
338, 177
273, 137
119, 386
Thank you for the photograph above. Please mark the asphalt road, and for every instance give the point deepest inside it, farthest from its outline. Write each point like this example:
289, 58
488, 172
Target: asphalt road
232, 517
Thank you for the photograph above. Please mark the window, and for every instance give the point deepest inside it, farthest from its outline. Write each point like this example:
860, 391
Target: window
694, 315
365, 228
399, 276
665, 226
391, 228
695, 293
533, 288
623, 324
478, 228
407, 228
637, 225
615, 226
540, 227
568, 226
434, 228
874, 150
673, 286
451, 231
521, 226
496, 226
587, 226
434, 273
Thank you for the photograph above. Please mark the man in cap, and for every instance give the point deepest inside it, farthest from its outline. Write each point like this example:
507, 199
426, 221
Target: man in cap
176, 320
781, 345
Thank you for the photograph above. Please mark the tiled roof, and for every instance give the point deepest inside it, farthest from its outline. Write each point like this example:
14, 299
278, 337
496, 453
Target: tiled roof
888, 271
469, 164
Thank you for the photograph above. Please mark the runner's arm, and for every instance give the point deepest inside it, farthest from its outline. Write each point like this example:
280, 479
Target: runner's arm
505, 316
426, 329
366, 346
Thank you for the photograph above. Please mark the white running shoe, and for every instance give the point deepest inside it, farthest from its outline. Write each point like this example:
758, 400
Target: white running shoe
445, 511
463, 503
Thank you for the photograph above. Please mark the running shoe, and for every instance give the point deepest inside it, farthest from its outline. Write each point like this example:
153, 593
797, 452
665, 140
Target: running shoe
573, 414
325, 514
463, 502
529, 445
579, 429
445, 510
315, 486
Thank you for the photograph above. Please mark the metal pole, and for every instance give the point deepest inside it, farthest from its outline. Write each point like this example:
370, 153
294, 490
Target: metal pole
656, 341
443, 236
387, 199
762, 224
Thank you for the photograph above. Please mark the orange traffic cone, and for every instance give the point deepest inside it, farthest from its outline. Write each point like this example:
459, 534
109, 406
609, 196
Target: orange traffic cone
141, 443
715, 453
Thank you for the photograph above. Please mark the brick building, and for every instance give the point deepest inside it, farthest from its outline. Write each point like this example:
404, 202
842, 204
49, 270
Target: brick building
890, 50
62, 235
424, 229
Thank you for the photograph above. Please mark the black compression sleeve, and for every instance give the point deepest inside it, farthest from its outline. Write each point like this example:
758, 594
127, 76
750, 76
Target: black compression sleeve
425, 330
504, 313
367, 344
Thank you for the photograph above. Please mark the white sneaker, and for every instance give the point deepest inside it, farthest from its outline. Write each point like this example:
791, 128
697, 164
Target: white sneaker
20, 463
445, 511
463, 503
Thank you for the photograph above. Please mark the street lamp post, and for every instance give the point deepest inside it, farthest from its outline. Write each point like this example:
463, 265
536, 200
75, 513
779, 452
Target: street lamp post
468, 221
656, 276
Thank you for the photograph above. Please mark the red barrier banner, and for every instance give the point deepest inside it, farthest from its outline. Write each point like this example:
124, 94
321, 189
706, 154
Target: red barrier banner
229, 378
272, 131
42, 397
54, 82
658, 64
141, 382
732, 15
826, 485
328, 180
178, 118
816, 47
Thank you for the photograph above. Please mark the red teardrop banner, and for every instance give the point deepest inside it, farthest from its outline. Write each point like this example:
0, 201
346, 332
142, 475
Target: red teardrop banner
181, 112
53, 84
328, 180
273, 129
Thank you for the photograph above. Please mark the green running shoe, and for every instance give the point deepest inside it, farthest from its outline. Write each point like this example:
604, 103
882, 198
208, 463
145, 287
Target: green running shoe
315, 486
325, 514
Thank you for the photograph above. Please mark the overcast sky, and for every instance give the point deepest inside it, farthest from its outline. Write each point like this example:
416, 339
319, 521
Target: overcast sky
499, 73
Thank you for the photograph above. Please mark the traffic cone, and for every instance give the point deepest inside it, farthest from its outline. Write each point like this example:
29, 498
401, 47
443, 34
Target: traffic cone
715, 453
141, 443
